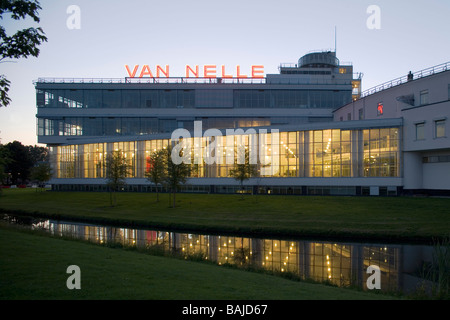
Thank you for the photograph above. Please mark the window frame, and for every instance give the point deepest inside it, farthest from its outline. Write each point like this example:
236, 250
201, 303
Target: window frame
420, 124
436, 121
424, 97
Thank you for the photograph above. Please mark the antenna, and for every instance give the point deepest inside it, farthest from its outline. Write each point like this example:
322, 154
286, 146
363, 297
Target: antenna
335, 40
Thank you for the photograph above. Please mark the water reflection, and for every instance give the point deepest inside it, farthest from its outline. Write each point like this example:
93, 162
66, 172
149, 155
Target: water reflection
342, 264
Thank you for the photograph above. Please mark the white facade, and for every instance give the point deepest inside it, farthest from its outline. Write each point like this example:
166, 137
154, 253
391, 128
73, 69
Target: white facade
423, 103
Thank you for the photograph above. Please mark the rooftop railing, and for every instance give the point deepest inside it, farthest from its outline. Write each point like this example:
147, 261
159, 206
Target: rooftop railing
79, 80
164, 80
195, 80
271, 81
409, 77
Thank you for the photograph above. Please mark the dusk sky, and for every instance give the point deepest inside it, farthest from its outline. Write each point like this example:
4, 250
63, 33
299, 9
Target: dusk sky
412, 35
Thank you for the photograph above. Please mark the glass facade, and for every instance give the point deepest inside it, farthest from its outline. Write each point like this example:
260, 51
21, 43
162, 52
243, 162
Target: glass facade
313, 153
127, 126
111, 98
381, 152
291, 98
192, 98
84, 124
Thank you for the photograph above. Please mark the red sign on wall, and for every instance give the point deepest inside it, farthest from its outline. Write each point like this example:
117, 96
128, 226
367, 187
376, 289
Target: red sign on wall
380, 109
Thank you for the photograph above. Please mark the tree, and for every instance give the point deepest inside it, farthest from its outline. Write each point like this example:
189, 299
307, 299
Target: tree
2, 174
243, 171
23, 43
4, 161
156, 169
258, 175
20, 162
38, 154
176, 174
116, 172
41, 173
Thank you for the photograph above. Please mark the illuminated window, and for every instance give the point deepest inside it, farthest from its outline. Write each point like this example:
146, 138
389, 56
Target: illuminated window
380, 109
330, 153
439, 127
342, 70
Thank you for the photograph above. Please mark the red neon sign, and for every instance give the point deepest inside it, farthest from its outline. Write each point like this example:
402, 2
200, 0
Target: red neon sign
208, 71
380, 109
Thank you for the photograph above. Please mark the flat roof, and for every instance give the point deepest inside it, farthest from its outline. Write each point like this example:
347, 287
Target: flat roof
412, 76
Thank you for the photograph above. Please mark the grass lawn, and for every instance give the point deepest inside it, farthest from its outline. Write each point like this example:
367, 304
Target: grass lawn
33, 266
367, 218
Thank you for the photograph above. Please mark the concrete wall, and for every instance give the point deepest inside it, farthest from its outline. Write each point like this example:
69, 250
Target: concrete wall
412, 170
436, 176
428, 115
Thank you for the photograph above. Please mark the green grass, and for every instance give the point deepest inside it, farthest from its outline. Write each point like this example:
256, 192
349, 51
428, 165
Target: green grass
33, 266
367, 218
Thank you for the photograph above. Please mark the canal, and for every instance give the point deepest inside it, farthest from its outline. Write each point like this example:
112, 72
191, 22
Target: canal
343, 264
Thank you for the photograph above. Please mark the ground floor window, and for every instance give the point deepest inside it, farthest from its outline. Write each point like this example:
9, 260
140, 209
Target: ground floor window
330, 153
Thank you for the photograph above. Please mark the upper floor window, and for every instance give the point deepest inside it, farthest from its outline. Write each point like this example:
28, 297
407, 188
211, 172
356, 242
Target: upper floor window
361, 114
424, 97
420, 131
439, 128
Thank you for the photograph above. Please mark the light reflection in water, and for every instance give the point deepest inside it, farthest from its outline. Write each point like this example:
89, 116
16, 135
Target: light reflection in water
342, 264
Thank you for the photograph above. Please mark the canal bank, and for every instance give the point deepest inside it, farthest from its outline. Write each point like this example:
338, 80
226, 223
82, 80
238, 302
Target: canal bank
403, 269
34, 268
386, 220
247, 231
389, 228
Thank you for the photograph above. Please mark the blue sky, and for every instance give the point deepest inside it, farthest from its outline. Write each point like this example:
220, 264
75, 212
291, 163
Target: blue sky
413, 35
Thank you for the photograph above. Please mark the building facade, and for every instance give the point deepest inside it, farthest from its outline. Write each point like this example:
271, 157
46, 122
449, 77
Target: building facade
422, 101
303, 120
